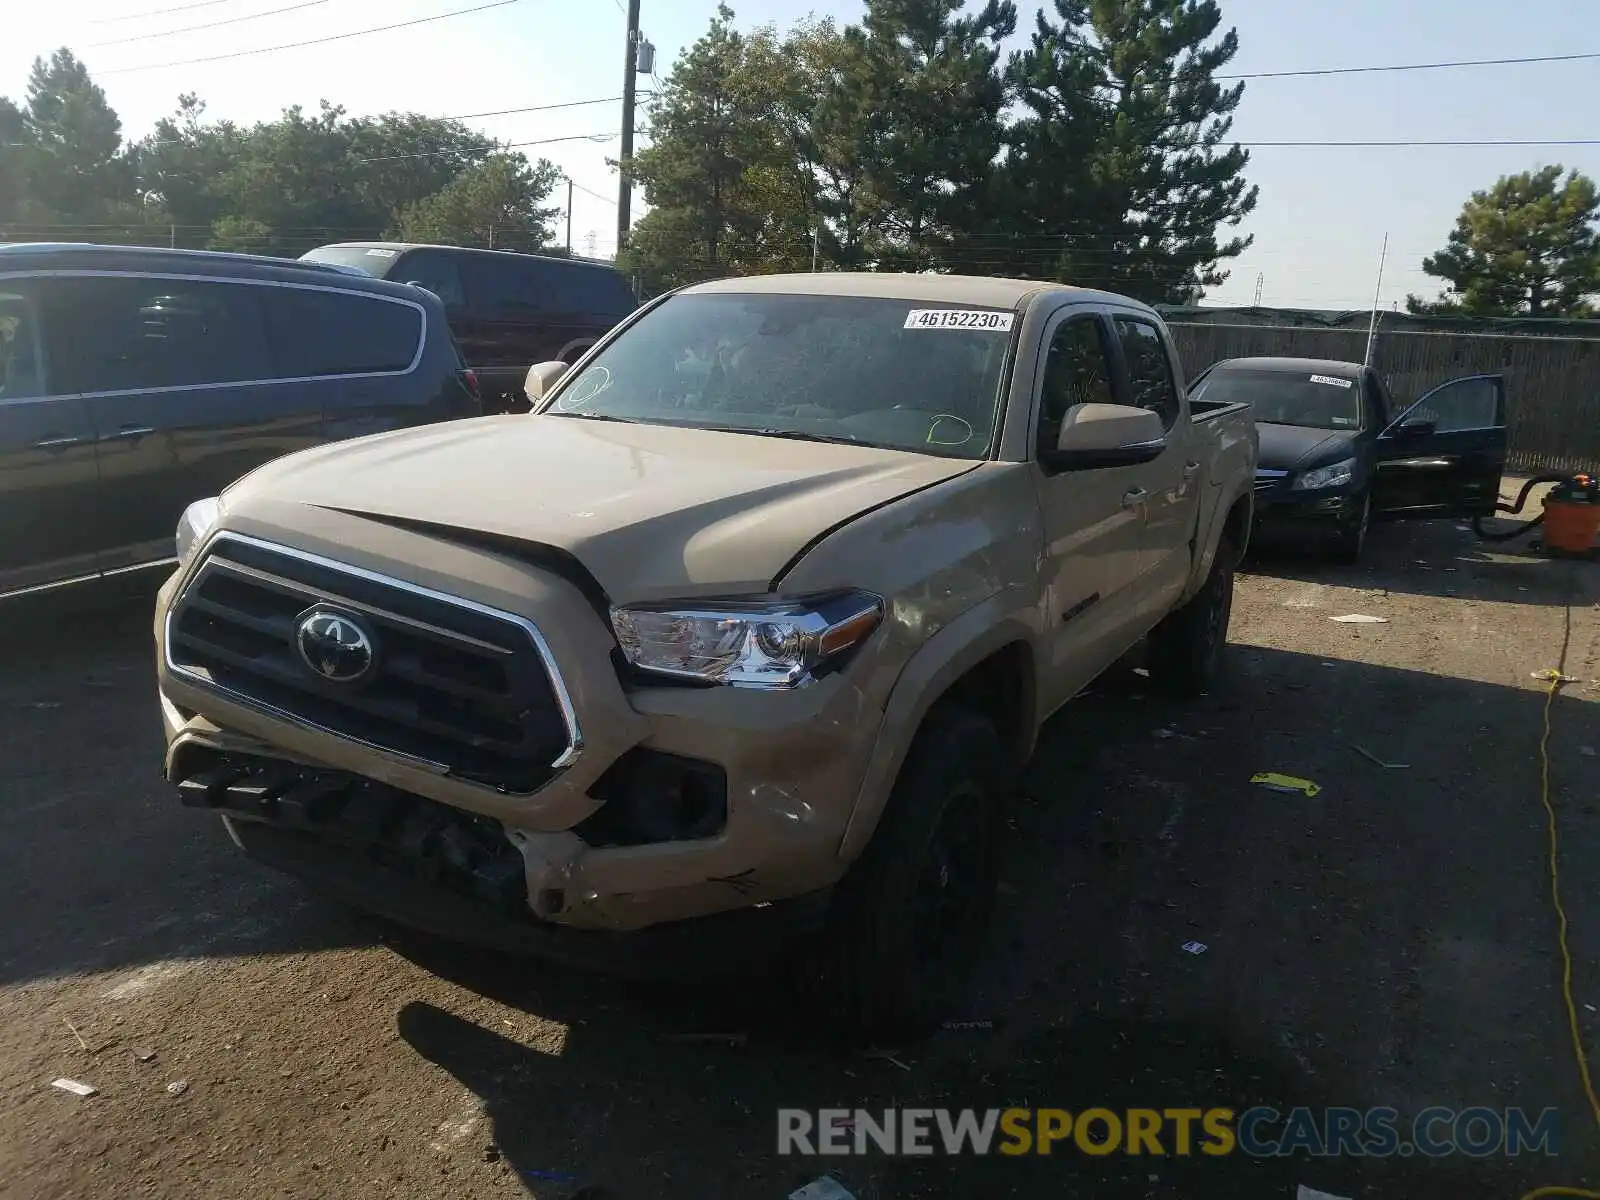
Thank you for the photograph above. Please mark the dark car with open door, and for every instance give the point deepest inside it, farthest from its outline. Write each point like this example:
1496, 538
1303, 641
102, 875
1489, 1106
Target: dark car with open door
1338, 453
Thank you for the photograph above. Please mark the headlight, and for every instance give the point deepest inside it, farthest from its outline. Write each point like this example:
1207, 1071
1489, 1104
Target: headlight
759, 644
199, 519
1330, 476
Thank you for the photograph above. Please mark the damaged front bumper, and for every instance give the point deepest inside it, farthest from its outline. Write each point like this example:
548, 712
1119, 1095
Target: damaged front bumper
683, 803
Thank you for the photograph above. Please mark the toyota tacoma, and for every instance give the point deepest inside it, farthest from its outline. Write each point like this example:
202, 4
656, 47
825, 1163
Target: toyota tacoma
754, 617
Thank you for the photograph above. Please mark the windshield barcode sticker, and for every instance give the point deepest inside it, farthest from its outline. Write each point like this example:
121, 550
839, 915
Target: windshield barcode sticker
1332, 382
959, 318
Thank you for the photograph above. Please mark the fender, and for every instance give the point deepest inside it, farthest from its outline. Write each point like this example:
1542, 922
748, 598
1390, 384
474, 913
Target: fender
961, 645
1210, 535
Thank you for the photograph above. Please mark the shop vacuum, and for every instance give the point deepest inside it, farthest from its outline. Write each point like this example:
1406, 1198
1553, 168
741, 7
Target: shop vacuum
1571, 516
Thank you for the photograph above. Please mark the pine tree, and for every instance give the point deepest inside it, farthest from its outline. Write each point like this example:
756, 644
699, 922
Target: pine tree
929, 85
69, 169
1528, 245
1121, 161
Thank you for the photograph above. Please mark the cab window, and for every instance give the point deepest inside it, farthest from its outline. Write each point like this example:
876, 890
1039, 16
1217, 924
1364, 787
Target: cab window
1150, 381
1077, 370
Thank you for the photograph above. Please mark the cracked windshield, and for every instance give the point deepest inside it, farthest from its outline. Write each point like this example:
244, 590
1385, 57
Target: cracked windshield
889, 373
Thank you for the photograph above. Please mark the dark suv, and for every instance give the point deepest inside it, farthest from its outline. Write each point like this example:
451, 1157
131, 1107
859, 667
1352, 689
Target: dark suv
134, 381
508, 311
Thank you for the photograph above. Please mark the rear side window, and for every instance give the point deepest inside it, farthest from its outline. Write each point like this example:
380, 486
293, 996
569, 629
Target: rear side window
439, 273
507, 287
133, 332
1149, 368
594, 291
339, 333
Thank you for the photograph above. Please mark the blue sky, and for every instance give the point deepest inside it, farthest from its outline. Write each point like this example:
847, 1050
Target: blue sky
1322, 215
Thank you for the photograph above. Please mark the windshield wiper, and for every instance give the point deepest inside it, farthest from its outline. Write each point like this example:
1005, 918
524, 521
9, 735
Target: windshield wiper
587, 416
800, 435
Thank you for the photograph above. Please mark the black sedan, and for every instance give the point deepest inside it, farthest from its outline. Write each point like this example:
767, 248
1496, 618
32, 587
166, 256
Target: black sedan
1337, 453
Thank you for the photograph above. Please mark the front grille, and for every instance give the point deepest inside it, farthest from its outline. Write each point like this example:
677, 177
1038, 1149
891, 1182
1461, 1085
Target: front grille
458, 688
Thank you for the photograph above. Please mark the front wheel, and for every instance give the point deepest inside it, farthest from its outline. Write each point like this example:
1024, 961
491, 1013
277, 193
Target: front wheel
1353, 538
1188, 650
909, 919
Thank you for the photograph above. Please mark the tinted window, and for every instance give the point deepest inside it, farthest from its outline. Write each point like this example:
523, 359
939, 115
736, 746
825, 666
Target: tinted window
131, 332
834, 368
1462, 404
506, 287
21, 368
437, 272
592, 291
1076, 371
339, 333
1309, 400
1149, 369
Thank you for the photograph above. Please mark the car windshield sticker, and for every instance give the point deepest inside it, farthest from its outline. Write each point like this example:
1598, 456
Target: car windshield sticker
382, 253
1332, 382
959, 318
1344, 420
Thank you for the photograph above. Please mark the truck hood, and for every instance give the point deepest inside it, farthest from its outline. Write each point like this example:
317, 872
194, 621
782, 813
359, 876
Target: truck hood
652, 511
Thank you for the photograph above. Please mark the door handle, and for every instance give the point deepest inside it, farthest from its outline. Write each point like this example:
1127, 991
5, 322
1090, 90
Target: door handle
56, 443
1190, 470
128, 432
1134, 497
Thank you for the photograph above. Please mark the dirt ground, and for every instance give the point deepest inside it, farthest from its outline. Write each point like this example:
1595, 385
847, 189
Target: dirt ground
1389, 942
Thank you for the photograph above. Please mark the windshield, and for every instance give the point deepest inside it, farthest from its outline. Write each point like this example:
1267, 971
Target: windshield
1286, 398
374, 261
889, 373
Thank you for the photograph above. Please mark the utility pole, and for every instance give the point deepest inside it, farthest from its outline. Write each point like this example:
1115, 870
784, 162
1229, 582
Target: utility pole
630, 76
1261, 279
569, 218
816, 238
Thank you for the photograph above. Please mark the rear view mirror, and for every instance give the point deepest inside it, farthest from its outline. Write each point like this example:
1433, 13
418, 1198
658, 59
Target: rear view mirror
541, 378
1094, 435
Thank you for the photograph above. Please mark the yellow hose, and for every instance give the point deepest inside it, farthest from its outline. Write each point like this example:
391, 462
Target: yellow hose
1556, 678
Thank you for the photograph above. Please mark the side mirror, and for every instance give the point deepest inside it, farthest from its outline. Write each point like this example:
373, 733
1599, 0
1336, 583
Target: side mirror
541, 378
1107, 435
1416, 427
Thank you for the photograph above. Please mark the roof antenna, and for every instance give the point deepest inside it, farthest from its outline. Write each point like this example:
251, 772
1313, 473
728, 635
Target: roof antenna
1372, 326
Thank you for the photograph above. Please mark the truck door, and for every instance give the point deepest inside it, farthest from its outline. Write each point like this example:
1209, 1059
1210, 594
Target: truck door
1171, 480
1093, 518
1443, 456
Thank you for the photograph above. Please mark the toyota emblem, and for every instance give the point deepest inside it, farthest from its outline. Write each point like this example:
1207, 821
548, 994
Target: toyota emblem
335, 645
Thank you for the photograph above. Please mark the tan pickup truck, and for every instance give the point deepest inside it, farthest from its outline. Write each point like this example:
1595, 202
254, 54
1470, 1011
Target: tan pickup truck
752, 621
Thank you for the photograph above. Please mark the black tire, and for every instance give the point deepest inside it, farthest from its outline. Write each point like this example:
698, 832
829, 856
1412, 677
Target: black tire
1189, 649
1352, 542
909, 919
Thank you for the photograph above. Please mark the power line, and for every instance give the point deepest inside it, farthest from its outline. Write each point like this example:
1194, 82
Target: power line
1483, 142
506, 112
337, 37
160, 12
577, 137
145, 37
1424, 66
591, 192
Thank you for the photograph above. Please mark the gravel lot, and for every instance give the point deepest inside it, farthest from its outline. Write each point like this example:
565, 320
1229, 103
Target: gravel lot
1389, 942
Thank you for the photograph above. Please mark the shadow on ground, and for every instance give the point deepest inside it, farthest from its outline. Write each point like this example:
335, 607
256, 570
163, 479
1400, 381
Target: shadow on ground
1387, 943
